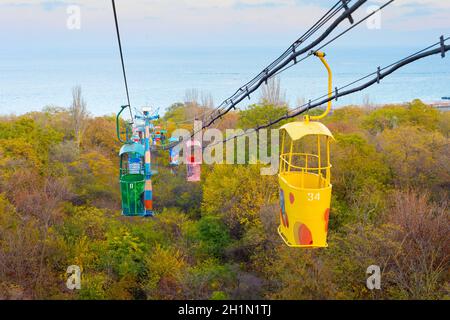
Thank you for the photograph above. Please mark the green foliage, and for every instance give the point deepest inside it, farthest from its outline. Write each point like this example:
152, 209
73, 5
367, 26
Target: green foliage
256, 115
94, 177
213, 236
173, 191
166, 268
18, 153
84, 221
38, 138
95, 139
219, 295
385, 118
176, 113
415, 113
346, 120
93, 287
236, 193
353, 250
208, 277
360, 175
217, 239
125, 254
7, 213
418, 157
342, 213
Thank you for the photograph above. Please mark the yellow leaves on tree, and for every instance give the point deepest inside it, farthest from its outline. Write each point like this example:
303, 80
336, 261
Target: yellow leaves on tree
237, 194
165, 271
18, 153
417, 157
95, 175
100, 134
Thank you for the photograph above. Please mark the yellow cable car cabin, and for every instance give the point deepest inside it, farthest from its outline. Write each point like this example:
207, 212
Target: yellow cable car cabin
305, 179
305, 188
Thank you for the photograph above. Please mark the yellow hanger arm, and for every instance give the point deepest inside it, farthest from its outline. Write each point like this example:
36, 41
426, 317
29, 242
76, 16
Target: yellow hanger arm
321, 56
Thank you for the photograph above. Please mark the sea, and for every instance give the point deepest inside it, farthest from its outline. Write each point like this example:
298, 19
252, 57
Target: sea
161, 76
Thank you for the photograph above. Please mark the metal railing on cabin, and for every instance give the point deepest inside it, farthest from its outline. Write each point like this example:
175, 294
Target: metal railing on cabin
287, 166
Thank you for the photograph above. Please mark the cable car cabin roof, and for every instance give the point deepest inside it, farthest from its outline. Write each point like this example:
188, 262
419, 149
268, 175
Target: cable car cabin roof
132, 148
298, 130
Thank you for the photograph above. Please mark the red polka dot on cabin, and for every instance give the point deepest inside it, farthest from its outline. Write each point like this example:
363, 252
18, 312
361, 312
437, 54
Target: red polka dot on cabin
304, 236
326, 216
291, 198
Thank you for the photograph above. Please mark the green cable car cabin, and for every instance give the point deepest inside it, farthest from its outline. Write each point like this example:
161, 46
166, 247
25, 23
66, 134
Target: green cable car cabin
132, 179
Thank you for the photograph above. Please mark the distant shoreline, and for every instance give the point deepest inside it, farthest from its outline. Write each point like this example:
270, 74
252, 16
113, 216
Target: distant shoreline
442, 105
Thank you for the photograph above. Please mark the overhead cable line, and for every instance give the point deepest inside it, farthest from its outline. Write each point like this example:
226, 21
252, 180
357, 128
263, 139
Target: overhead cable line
290, 55
331, 13
245, 92
121, 58
380, 74
338, 36
337, 90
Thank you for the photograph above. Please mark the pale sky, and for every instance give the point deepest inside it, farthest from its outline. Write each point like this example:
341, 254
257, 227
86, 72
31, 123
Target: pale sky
41, 24
41, 59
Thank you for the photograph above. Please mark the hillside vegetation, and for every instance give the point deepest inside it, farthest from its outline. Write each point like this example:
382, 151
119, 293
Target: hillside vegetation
60, 206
